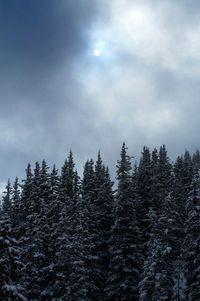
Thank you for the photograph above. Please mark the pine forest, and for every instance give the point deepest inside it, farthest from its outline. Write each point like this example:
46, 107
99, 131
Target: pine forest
66, 238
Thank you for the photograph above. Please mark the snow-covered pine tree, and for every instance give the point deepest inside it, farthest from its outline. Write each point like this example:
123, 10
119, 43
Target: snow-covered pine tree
10, 265
22, 207
77, 284
187, 170
97, 201
54, 204
164, 174
50, 221
16, 199
157, 279
191, 250
179, 216
161, 170
154, 193
142, 187
31, 240
66, 231
102, 215
141, 216
44, 256
145, 176
196, 159
55, 182
179, 194
89, 233
157, 282
125, 255
7, 200
25, 201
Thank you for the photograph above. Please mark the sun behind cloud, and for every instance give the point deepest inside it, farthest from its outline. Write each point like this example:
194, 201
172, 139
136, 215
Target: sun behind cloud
97, 52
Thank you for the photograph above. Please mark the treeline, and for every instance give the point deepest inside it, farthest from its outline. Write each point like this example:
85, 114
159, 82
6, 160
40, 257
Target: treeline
63, 238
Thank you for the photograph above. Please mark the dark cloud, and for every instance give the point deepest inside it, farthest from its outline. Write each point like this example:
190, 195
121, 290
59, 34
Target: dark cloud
37, 38
44, 32
56, 96
41, 41
192, 6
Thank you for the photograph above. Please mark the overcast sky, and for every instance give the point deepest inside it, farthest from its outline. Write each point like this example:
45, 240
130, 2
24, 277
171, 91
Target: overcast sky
56, 95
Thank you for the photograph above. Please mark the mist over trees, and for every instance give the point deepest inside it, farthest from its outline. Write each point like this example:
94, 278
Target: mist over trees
73, 239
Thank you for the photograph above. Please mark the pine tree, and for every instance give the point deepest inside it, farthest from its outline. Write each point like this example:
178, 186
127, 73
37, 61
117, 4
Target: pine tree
125, 255
164, 173
25, 206
102, 215
50, 221
7, 199
16, 199
179, 195
161, 173
157, 279
179, 216
67, 236
155, 186
196, 159
142, 187
144, 177
192, 240
187, 170
21, 226
89, 232
97, 197
67, 179
157, 282
31, 227
10, 265
66, 239
141, 216
78, 281
44, 255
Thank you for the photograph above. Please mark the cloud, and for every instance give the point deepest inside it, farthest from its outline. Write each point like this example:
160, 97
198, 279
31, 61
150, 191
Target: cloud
150, 33
56, 95
40, 94
145, 86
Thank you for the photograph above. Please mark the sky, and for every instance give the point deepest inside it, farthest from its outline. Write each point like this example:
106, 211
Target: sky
56, 95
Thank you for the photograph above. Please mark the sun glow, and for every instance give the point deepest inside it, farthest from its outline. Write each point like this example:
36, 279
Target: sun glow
97, 52
137, 15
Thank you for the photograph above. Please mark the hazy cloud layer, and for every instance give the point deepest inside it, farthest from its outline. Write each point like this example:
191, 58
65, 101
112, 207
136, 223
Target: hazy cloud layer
56, 95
